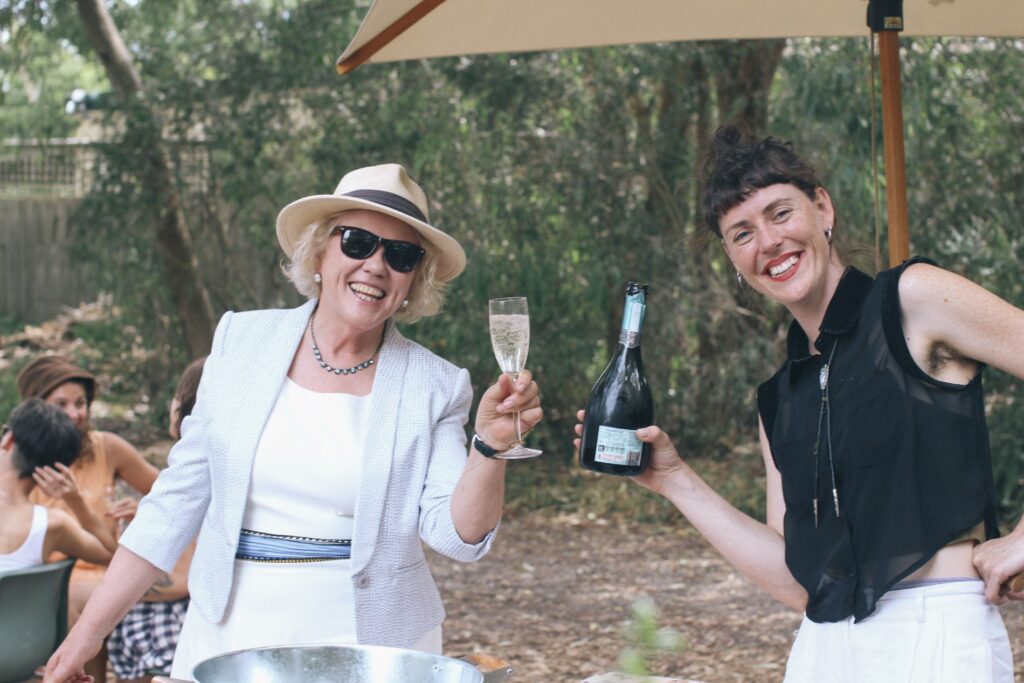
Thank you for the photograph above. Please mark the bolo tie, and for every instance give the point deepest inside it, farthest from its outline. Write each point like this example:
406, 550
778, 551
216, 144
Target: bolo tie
825, 417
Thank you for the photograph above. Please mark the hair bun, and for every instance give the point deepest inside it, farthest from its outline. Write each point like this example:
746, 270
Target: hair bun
728, 135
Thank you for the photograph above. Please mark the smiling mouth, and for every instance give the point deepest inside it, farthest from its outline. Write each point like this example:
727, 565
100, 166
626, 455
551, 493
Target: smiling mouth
366, 292
783, 267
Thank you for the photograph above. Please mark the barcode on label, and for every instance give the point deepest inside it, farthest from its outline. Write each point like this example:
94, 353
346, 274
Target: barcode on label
617, 446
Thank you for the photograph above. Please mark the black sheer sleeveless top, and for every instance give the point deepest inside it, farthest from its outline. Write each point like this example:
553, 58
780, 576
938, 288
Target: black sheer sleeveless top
910, 453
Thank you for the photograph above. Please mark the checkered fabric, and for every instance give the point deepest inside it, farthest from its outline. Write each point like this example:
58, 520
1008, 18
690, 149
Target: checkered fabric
143, 643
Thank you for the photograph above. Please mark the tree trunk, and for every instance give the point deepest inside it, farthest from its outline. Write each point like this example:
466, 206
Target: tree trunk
743, 78
173, 242
741, 74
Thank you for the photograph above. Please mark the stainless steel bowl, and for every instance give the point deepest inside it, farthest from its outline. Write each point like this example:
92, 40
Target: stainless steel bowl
340, 664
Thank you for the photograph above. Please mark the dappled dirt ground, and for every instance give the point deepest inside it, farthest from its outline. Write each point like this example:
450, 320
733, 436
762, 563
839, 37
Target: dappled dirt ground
553, 598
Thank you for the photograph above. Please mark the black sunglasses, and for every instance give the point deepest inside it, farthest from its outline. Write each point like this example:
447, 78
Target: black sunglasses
362, 244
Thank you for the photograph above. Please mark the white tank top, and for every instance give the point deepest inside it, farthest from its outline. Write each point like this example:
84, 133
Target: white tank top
30, 553
307, 466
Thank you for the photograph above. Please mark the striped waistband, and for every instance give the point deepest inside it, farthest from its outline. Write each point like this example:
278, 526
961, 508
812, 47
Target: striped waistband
257, 546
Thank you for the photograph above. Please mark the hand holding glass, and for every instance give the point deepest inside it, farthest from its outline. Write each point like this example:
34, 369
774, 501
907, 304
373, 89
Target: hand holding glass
510, 337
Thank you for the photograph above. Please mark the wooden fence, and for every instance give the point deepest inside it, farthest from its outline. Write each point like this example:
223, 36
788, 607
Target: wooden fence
38, 273
41, 183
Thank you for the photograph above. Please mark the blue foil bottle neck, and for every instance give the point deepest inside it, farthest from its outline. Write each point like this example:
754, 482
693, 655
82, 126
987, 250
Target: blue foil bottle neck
633, 315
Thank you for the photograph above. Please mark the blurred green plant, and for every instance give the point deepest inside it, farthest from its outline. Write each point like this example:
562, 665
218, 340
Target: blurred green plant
10, 323
8, 390
646, 640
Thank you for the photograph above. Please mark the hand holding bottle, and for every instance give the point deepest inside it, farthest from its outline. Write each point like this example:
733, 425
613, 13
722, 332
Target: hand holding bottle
664, 462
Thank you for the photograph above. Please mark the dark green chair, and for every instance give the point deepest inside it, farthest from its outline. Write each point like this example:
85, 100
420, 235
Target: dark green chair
33, 617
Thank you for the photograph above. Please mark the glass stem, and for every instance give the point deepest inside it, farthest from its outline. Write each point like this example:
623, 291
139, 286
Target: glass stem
515, 416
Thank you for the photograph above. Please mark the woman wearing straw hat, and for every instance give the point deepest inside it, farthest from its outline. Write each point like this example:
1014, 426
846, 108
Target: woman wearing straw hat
323, 446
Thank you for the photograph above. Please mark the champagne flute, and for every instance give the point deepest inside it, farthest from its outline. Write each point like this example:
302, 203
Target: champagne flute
510, 337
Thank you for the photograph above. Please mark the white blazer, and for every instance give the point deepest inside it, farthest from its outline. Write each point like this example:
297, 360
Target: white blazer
414, 453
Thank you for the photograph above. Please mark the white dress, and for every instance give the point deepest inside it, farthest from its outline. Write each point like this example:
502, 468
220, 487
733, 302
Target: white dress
304, 482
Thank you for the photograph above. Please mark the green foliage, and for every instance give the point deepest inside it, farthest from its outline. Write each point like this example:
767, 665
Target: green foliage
39, 68
563, 175
9, 389
9, 324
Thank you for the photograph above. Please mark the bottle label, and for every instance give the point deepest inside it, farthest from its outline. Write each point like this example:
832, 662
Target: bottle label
617, 446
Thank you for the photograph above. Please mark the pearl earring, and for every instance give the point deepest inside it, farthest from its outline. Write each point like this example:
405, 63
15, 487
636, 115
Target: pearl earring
739, 278
317, 278
828, 234
405, 303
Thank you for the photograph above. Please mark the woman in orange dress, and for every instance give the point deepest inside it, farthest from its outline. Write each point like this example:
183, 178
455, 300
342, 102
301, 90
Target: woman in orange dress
104, 459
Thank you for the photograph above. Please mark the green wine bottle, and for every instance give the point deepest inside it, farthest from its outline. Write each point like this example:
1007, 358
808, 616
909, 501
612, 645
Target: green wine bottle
621, 401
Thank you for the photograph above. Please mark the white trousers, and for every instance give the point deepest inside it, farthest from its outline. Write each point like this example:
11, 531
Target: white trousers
942, 633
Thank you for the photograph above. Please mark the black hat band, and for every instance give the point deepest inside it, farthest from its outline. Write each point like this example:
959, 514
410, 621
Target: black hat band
390, 200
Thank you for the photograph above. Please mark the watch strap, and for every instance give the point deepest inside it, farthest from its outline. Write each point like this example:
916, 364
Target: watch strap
483, 449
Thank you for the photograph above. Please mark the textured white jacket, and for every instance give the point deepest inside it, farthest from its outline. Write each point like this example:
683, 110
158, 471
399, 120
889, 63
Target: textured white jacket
415, 449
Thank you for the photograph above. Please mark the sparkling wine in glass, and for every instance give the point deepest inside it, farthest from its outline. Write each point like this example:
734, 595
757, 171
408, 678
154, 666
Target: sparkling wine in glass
510, 338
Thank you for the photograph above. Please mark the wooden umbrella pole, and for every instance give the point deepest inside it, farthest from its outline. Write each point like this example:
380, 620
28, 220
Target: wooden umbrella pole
379, 41
895, 168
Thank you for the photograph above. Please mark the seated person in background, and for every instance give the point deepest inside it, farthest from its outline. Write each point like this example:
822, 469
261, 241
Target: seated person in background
40, 436
104, 458
143, 643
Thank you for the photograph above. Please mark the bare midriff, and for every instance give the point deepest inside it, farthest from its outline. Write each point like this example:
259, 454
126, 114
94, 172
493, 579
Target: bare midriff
953, 561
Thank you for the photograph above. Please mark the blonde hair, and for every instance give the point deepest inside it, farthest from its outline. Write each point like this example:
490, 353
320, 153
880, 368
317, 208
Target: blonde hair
426, 294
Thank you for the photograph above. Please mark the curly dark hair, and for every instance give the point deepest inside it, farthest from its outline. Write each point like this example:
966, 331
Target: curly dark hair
738, 164
43, 436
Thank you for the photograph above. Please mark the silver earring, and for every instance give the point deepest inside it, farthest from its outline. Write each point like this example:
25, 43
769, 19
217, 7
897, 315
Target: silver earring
317, 278
739, 278
405, 304
828, 234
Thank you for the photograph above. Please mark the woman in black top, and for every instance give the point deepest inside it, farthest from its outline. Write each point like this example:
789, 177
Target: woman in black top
873, 435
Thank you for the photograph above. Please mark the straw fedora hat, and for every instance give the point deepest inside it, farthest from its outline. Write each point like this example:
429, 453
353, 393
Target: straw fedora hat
387, 189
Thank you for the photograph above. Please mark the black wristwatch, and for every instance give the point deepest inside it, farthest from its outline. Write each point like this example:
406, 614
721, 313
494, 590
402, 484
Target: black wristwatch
483, 449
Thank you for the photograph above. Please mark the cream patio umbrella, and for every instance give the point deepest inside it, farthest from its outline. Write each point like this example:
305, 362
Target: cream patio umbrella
396, 30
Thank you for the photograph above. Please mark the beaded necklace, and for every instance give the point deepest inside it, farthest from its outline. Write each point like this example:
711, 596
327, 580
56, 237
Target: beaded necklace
341, 371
